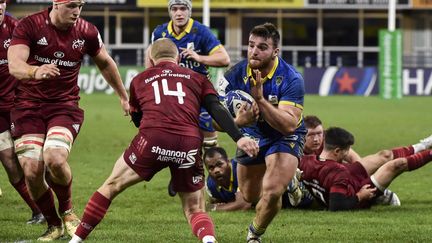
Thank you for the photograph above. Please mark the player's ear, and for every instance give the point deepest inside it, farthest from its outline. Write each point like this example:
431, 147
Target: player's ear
275, 52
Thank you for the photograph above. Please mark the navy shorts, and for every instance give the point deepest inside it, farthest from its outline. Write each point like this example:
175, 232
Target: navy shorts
289, 144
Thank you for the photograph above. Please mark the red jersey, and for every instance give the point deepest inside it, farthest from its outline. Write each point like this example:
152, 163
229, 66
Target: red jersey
324, 176
50, 45
170, 98
7, 81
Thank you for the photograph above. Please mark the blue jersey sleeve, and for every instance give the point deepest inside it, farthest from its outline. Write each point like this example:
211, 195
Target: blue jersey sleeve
209, 42
293, 91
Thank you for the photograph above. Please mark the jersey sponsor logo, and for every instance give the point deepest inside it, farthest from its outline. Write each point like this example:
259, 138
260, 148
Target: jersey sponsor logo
6, 43
59, 54
166, 71
55, 61
196, 179
78, 44
184, 159
42, 41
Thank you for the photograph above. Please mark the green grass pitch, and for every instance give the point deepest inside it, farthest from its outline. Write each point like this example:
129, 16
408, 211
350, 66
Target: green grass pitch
145, 213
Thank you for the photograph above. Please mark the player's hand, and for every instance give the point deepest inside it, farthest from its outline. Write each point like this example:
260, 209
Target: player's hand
366, 193
247, 115
125, 106
46, 71
256, 86
190, 54
249, 146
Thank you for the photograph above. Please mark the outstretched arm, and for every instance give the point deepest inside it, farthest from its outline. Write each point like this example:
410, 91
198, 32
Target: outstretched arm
218, 58
18, 67
238, 204
109, 71
226, 122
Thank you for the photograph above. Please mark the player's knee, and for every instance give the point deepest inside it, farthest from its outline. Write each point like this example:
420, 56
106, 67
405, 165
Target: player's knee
6, 141
29, 148
59, 137
386, 155
399, 165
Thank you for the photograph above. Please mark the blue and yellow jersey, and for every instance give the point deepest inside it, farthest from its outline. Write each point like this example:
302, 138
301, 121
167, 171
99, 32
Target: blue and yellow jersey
223, 194
283, 85
196, 36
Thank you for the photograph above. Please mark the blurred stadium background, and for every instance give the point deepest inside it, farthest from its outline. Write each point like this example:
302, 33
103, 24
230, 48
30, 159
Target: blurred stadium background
334, 43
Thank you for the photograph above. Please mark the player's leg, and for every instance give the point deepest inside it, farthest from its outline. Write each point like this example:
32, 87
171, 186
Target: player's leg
122, 177
388, 172
281, 168
29, 152
250, 181
16, 175
374, 161
193, 204
57, 147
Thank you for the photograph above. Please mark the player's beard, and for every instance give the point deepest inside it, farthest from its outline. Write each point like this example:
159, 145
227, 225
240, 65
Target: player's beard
259, 64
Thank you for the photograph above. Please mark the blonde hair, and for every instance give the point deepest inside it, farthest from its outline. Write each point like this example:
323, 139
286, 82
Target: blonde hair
163, 48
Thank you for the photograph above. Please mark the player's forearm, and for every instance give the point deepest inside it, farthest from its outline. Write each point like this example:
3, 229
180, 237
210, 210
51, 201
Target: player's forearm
232, 206
282, 120
112, 76
17, 63
220, 58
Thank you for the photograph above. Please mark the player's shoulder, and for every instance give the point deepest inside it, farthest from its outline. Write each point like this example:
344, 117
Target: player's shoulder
40, 18
237, 69
85, 27
158, 30
285, 67
10, 20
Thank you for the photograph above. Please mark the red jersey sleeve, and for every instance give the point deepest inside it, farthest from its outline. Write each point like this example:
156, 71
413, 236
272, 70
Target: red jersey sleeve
23, 33
94, 41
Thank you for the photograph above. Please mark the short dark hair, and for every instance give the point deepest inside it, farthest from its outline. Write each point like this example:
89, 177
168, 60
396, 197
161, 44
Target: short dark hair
267, 30
336, 137
312, 121
213, 150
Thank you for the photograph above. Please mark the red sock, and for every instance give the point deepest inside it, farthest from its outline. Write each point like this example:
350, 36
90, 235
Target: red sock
202, 225
402, 152
64, 195
21, 188
46, 205
417, 160
93, 213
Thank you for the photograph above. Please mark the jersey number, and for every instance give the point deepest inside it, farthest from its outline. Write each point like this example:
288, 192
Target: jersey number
179, 92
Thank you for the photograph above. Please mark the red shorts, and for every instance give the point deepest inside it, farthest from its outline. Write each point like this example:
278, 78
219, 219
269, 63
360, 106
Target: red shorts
360, 178
4, 121
39, 119
151, 152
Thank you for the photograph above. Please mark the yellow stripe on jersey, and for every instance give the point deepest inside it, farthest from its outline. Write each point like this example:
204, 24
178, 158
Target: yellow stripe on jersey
269, 75
285, 102
182, 34
214, 49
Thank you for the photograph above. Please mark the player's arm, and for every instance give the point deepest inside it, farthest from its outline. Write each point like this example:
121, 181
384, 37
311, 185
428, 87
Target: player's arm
226, 122
352, 156
340, 200
109, 71
221, 116
238, 204
283, 118
18, 67
217, 58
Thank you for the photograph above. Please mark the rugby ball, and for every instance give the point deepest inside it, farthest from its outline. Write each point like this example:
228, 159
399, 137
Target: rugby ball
234, 99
